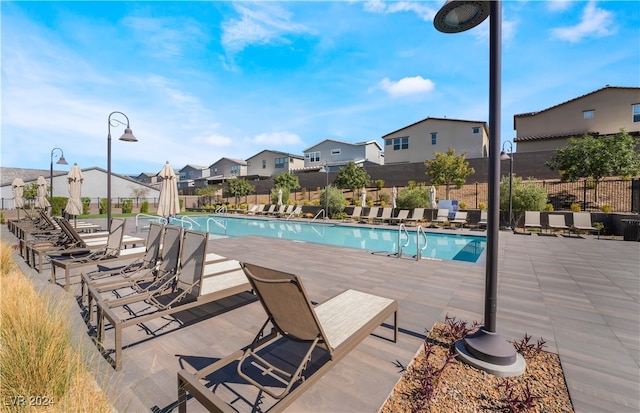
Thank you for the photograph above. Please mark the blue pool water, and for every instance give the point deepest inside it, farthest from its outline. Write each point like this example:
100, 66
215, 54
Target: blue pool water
384, 239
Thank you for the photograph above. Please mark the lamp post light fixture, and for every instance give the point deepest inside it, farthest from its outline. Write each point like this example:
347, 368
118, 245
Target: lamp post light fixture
325, 168
503, 157
127, 136
61, 161
486, 349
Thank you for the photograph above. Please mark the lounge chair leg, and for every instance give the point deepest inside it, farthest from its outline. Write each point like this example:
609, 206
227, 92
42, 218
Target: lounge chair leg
182, 396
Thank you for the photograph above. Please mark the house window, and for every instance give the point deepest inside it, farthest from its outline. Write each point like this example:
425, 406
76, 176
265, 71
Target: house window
235, 169
264, 164
281, 162
388, 142
476, 130
215, 170
399, 143
248, 163
636, 112
588, 114
313, 156
335, 152
434, 138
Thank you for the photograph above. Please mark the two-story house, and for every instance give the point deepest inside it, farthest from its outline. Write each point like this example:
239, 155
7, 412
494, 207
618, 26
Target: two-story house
223, 169
268, 163
418, 141
334, 154
147, 178
189, 174
601, 112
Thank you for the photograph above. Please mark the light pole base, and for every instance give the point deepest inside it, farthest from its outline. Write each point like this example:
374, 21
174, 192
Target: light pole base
489, 352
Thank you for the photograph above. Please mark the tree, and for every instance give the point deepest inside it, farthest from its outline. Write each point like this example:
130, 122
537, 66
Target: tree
597, 158
287, 180
448, 169
139, 192
209, 191
352, 177
274, 195
336, 200
30, 190
239, 187
379, 185
413, 197
526, 196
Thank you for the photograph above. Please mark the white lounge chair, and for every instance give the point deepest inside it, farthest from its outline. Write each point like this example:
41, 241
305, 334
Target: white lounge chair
532, 220
582, 222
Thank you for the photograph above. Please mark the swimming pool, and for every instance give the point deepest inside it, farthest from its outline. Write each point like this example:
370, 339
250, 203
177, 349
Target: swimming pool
455, 247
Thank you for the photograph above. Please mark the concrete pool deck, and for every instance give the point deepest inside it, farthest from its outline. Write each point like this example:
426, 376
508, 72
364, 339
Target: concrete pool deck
581, 295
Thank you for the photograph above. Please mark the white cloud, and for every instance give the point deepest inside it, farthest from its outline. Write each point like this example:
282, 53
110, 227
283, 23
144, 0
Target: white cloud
559, 5
407, 86
595, 22
164, 37
423, 11
215, 140
275, 139
259, 23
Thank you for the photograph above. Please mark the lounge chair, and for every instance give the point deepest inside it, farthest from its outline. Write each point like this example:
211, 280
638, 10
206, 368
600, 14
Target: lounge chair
251, 209
459, 219
557, 222
258, 210
442, 217
355, 214
192, 283
373, 213
111, 252
297, 211
287, 211
334, 327
582, 222
280, 210
483, 219
532, 220
402, 217
139, 269
267, 211
384, 217
417, 216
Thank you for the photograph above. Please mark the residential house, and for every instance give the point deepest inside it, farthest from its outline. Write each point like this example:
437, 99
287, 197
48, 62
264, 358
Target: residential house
601, 112
223, 169
268, 163
189, 174
147, 178
334, 154
418, 141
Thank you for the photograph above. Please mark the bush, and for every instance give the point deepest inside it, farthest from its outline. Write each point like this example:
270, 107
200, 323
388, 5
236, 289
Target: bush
575, 207
606, 208
385, 197
413, 197
549, 208
58, 204
127, 206
144, 207
482, 206
103, 206
274, 195
86, 205
526, 195
336, 200
462, 206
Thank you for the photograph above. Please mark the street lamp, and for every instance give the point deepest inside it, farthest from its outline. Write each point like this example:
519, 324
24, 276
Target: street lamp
127, 136
325, 168
486, 349
61, 161
503, 157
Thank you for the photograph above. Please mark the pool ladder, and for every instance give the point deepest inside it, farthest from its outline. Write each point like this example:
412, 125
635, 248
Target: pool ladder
402, 230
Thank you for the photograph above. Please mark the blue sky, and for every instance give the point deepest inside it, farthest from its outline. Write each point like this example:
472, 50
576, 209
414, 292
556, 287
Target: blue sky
205, 80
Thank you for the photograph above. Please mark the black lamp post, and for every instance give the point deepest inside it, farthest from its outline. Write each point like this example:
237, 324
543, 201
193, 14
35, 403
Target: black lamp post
127, 136
503, 157
486, 349
325, 168
61, 161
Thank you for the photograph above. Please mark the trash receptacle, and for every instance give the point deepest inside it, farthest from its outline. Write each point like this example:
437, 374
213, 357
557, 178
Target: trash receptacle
631, 229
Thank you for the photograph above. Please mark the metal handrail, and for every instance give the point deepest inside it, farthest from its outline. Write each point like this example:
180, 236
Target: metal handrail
218, 223
182, 219
419, 250
402, 229
322, 211
161, 220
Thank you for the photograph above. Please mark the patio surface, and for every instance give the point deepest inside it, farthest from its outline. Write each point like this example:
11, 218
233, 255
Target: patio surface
580, 294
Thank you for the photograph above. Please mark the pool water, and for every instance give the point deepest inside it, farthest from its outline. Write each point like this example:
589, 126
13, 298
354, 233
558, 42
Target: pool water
455, 247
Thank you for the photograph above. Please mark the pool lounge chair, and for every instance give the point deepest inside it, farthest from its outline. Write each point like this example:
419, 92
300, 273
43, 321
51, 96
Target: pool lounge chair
192, 284
258, 210
459, 219
417, 216
288, 210
111, 252
582, 222
336, 327
267, 211
355, 214
401, 218
442, 217
532, 220
557, 222
373, 213
384, 217
483, 219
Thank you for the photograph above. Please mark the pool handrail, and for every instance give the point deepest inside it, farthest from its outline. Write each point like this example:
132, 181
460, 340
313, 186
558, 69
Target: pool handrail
218, 223
151, 218
324, 215
419, 250
184, 219
402, 229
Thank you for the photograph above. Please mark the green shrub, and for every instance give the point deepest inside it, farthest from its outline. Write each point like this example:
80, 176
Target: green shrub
575, 207
144, 207
274, 195
549, 208
86, 205
340, 215
336, 200
385, 197
606, 208
103, 206
58, 204
482, 206
462, 206
127, 206
526, 195
413, 197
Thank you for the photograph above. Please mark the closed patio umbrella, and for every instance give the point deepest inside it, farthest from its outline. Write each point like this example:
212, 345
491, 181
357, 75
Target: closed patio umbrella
18, 192
394, 195
363, 197
74, 179
41, 198
168, 204
279, 196
432, 197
